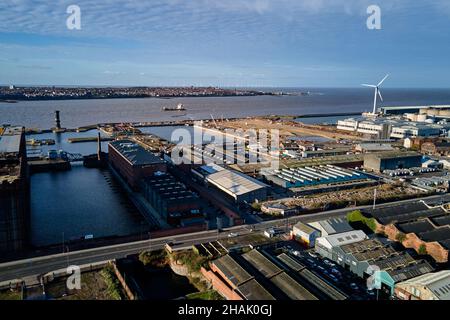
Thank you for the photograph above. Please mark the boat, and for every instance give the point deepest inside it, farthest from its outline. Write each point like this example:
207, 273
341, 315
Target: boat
179, 107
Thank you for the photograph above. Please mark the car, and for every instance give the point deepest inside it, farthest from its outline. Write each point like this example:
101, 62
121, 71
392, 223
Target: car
335, 271
321, 268
354, 286
232, 235
333, 277
310, 261
296, 253
312, 254
329, 263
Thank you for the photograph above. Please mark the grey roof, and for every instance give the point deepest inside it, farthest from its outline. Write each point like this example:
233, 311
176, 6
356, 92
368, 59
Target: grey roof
232, 270
134, 153
261, 263
292, 288
334, 225
235, 182
410, 271
290, 262
344, 238
438, 283
252, 290
10, 144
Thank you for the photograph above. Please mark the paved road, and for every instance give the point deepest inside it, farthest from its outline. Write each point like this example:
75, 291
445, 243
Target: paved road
41, 265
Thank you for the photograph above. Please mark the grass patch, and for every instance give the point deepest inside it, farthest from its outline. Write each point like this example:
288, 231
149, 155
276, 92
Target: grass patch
156, 258
10, 295
205, 295
112, 283
357, 217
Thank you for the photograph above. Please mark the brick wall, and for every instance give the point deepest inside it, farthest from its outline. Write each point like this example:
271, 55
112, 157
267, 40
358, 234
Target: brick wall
220, 286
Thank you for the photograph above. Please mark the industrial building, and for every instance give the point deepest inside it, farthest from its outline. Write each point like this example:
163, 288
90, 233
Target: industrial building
277, 276
379, 162
331, 226
171, 199
425, 225
231, 279
365, 257
312, 176
326, 246
14, 191
385, 128
305, 234
132, 162
430, 286
236, 185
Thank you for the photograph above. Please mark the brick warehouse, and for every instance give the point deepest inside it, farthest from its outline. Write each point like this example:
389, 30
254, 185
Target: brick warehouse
133, 162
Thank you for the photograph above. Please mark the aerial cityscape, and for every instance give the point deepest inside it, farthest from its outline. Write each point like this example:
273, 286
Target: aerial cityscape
272, 188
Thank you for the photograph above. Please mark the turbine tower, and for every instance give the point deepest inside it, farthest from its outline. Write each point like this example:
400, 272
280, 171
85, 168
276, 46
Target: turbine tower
377, 93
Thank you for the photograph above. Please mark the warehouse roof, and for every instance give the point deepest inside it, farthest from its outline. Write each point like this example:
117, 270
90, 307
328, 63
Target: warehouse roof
304, 228
232, 270
333, 225
410, 271
292, 288
252, 290
234, 182
290, 262
392, 155
438, 283
261, 263
135, 154
340, 239
416, 226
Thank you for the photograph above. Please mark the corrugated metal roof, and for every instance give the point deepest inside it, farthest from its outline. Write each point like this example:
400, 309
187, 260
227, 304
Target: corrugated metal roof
235, 182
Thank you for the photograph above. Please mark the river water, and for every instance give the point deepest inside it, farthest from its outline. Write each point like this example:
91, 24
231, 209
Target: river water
75, 113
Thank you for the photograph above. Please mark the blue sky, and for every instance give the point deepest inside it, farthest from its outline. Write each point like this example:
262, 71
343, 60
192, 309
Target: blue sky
295, 43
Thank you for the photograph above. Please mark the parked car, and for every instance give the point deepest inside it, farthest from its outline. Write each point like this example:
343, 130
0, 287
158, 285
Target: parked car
312, 254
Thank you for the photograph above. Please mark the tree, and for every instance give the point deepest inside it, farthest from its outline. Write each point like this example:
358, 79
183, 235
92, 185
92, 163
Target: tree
400, 237
422, 249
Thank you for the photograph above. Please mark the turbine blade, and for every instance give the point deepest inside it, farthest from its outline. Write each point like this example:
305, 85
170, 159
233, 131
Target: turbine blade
369, 85
381, 82
379, 93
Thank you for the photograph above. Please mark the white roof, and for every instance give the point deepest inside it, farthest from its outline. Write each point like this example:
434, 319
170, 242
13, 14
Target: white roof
234, 183
340, 239
10, 144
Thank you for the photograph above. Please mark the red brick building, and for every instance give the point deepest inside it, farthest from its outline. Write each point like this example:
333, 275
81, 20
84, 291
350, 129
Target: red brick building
133, 162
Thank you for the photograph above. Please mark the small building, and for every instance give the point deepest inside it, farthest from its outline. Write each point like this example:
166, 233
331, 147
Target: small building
331, 226
305, 234
379, 162
373, 147
437, 148
430, 286
325, 246
278, 209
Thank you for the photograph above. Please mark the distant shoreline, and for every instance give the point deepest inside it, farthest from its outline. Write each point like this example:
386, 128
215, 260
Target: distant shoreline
67, 98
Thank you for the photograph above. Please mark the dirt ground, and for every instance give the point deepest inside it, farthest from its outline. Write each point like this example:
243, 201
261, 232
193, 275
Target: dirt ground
93, 287
352, 197
291, 129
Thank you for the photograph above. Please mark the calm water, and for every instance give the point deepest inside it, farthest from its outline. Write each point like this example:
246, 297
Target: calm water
77, 203
61, 143
75, 113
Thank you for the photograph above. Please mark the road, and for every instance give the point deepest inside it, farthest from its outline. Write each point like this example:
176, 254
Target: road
37, 266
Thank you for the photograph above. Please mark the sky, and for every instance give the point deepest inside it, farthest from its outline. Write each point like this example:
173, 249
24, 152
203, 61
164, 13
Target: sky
245, 43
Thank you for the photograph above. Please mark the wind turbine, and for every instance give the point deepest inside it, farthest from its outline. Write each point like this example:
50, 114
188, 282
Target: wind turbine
377, 93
